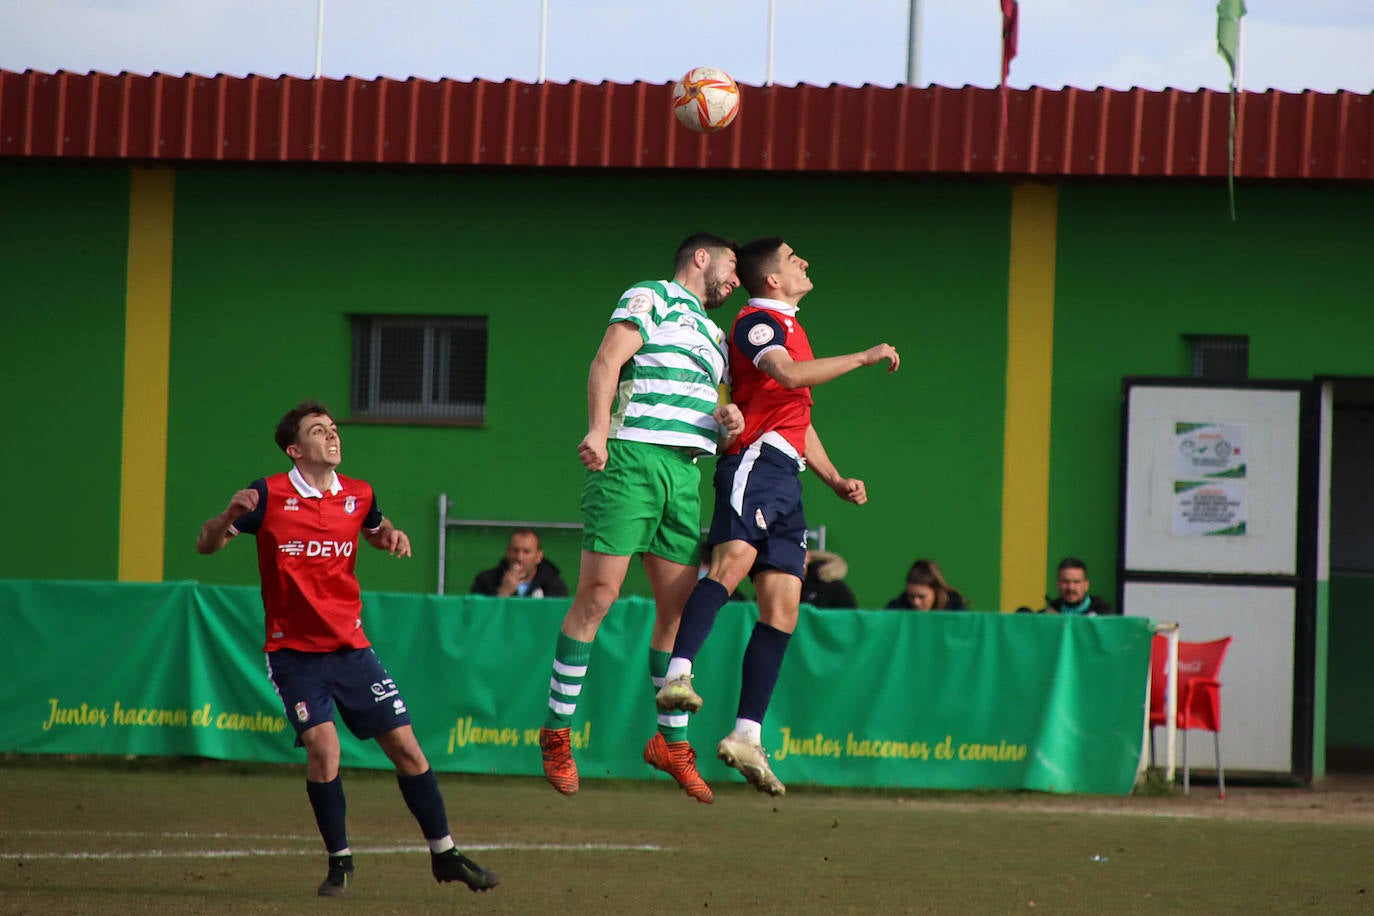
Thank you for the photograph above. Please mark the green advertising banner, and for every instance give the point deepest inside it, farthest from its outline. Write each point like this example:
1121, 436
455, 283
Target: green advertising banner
866, 698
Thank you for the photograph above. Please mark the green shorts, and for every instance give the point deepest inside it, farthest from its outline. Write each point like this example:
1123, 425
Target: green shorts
647, 500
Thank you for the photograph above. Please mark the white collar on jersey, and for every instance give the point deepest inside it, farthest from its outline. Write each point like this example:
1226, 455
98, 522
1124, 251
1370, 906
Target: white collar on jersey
774, 305
305, 489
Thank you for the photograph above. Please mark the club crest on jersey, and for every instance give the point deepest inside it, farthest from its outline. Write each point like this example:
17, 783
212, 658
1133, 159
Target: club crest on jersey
760, 520
292, 504
302, 712
350, 503
639, 304
760, 334
711, 359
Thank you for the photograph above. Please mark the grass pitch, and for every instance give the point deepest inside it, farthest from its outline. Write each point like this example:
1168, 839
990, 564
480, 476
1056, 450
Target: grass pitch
108, 836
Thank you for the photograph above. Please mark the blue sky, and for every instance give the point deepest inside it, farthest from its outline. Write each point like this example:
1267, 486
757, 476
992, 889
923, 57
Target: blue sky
1288, 44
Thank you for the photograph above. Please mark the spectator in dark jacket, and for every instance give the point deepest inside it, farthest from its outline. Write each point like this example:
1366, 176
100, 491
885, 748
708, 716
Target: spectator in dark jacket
1073, 586
522, 572
927, 590
823, 586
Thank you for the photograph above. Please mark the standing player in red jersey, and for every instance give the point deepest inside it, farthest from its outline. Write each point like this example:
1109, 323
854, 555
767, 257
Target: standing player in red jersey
759, 528
307, 522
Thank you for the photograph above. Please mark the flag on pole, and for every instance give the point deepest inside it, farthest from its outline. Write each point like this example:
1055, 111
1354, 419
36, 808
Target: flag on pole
1010, 24
1228, 33
1229, 13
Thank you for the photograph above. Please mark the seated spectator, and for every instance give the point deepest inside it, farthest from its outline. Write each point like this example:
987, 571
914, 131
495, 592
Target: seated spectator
522, 572
927, 590
823, 586
1073, 597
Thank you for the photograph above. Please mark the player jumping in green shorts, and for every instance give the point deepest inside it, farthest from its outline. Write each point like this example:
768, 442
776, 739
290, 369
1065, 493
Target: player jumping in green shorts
652, 410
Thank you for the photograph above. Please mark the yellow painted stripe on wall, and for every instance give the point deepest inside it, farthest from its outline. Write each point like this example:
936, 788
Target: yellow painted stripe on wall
147, 353
1030, 367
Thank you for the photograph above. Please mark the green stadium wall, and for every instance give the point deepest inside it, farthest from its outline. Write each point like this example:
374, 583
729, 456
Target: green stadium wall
269, 262
62, 293
1141, 265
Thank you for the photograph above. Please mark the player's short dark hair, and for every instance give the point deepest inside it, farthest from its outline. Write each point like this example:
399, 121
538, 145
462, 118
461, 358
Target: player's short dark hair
696, 240
758, 259
290, 425
529, 531
1073, 563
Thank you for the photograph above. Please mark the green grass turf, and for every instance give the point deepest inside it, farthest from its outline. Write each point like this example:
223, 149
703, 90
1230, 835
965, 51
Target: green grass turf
815, 851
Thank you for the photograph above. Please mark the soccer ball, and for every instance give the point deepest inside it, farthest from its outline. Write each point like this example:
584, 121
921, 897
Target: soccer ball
706, 100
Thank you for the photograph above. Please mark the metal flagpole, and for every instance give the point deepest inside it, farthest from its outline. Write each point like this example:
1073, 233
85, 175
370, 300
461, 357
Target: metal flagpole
772, 16
543, 36
1240, 54
319, 36
913, 42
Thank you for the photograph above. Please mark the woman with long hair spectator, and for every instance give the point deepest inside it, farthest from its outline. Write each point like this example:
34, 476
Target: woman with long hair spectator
927, 590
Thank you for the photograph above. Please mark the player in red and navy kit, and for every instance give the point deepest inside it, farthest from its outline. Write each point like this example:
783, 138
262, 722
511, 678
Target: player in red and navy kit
759, 527
307, 523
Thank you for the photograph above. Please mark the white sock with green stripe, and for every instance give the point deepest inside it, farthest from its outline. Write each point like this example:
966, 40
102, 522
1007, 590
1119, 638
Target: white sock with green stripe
570, 657
673, 725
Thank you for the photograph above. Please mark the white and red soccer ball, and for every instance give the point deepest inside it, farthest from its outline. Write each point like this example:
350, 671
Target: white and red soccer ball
706, 100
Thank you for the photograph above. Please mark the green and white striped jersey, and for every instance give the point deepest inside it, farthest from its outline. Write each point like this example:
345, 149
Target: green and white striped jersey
669, 388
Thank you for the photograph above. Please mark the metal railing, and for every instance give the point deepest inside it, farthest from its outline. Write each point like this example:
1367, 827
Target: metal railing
813, 535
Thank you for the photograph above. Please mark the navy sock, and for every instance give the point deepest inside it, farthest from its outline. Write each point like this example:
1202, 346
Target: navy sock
762, 662
424, 800
698, 616
327, 799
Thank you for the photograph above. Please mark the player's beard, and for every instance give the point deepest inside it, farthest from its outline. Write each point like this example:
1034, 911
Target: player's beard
714, 298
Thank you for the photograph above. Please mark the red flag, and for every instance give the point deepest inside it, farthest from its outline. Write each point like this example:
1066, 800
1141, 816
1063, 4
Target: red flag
1010, 22
1010, 15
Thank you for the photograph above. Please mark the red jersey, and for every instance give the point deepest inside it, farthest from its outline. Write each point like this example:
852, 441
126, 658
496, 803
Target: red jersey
306, 545
763, 325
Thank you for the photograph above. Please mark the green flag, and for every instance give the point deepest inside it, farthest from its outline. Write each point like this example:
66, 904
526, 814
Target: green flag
1229, 13
1228, 33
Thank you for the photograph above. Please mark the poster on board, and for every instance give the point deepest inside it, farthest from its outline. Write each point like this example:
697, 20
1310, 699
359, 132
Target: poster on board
1209, 479
1205, 451
1214, 508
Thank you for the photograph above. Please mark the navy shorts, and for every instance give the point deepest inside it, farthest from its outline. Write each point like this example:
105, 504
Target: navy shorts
759, 500
312, 684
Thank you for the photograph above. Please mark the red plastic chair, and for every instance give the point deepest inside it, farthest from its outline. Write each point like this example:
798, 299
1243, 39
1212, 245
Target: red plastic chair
1199, 694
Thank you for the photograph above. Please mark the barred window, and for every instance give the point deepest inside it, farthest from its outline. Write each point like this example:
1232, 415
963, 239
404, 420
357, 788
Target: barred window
1220, 356
420, 369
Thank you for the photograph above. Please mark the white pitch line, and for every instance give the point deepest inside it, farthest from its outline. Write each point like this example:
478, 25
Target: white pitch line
363, 850
1103, 810
166, 834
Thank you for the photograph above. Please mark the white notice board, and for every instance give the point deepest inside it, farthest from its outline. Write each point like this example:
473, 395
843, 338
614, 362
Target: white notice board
1212, 480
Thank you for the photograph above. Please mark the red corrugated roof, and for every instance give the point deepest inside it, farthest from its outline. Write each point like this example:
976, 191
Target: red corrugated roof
1096, 132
